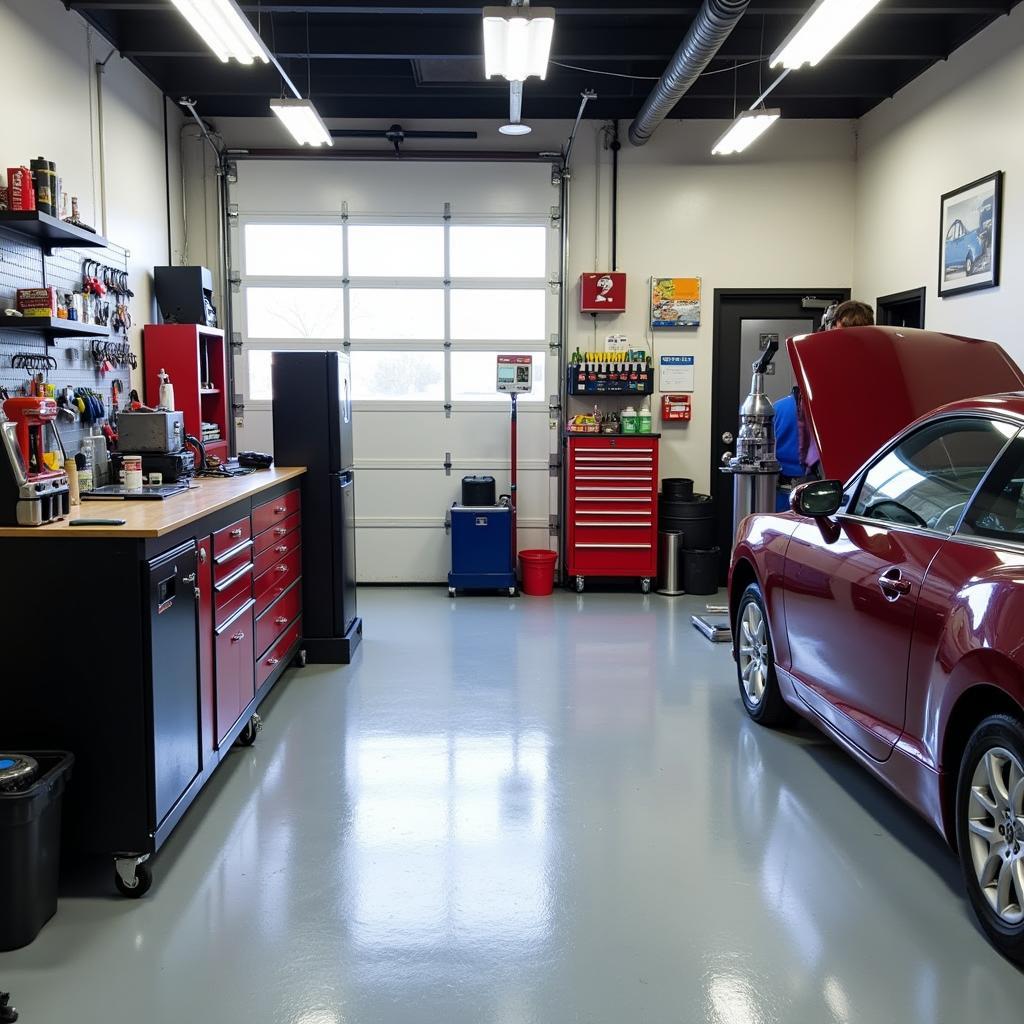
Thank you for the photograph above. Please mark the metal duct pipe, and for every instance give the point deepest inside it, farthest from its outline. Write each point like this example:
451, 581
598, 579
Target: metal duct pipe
710, 29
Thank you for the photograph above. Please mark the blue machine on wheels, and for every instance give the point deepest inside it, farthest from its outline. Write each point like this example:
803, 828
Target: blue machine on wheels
482, 557
484, 536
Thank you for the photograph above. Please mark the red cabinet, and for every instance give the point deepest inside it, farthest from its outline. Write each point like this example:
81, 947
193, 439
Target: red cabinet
235, 669
612, 507
278, 587
196, 360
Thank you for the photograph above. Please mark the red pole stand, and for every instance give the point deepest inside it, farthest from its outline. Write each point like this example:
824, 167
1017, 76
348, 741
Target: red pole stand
515, 534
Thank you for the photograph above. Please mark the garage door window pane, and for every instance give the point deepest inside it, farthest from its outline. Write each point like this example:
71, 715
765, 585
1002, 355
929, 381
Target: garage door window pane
493, 315
295, 312
398, 376
294, 250
397, 314
498, 251
395, 251
259, 375
474, 375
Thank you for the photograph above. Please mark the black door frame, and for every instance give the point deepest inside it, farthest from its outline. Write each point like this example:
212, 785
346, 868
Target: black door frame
920, 294
728, 362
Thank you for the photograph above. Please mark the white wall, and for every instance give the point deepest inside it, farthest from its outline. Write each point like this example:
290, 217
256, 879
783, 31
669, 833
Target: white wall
753, 222
53, 112
957, 123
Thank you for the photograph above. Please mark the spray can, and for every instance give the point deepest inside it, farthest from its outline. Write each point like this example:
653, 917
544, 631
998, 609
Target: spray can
166, 390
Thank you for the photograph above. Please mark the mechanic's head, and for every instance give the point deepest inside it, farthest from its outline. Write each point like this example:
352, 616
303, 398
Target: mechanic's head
848, 314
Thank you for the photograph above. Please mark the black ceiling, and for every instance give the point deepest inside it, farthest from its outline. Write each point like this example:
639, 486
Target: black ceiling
395, 59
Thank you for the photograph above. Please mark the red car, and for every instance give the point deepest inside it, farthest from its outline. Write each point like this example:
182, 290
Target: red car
888, 606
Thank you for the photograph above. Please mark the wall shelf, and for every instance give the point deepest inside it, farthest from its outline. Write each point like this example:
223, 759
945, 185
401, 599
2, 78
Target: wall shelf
53, 327
49, 232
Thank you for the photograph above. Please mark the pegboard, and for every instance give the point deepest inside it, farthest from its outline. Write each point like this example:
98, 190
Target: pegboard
25, 265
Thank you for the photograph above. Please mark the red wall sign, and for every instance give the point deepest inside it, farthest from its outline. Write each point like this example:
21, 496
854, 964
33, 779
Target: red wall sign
603, 292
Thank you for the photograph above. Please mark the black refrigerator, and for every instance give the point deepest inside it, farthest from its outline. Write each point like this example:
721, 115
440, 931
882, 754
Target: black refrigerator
313, 428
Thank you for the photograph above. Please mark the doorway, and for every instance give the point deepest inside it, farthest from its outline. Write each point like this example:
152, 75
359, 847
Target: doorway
745, 324
903, 309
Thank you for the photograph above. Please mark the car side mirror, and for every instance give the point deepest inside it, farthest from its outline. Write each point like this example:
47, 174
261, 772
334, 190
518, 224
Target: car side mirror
818, 499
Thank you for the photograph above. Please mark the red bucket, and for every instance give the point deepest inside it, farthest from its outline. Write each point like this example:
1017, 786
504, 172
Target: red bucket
537, 570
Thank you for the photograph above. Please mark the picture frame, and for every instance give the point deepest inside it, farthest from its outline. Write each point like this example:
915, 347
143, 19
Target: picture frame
675, 302
971, 236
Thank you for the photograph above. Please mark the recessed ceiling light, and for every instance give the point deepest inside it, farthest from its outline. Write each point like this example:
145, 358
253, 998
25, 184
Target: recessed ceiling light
516, 128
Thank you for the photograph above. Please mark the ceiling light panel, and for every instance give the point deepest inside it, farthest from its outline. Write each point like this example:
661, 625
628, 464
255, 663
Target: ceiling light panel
820, 30
225, 29
300, 117
517, 41
745, 130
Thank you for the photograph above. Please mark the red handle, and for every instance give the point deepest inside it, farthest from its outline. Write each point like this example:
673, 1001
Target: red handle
282, 549
237, 637
280, 510
280, 531
273, 661
235, 533
282, 568
280, 621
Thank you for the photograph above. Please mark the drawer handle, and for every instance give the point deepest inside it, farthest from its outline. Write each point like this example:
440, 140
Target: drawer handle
280, 531
221, 630
281, 568
273, 661
233, 578
282, 549
235, 533
237, 638
236, 550
280, 621
280, 510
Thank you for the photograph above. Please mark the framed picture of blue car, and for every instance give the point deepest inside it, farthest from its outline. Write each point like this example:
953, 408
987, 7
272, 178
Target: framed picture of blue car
971, 237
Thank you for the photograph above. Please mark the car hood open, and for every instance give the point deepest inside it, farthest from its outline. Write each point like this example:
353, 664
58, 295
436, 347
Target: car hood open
863, 385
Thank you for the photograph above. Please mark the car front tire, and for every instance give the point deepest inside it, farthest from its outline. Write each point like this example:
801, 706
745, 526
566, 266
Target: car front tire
755, 662
990, 830
969, 265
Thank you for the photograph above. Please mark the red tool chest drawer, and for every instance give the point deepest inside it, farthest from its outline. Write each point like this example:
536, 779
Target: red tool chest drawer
234, 661
272, 658
232, 592
272, 536
274, 512
271, 624
231, 536
611, 507
274, 555
227, 564
271, 584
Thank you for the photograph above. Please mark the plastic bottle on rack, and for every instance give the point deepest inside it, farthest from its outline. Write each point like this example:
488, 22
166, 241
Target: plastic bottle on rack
644, 418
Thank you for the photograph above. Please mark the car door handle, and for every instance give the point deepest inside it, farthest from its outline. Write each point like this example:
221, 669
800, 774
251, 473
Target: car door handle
893, 585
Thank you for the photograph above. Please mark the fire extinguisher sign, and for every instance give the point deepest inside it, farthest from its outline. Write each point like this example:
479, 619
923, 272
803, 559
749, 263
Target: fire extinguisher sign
677, 373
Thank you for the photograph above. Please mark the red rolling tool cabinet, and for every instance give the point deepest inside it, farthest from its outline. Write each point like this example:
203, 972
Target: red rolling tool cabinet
196, 360
612, 507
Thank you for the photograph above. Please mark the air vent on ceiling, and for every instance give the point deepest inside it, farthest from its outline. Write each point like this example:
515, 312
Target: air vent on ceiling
462, 71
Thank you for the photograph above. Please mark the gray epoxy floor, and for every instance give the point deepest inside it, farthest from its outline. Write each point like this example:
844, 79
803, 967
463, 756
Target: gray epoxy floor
518, 811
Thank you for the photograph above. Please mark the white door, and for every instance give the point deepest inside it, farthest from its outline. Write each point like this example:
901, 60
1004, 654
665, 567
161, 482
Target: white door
424, 273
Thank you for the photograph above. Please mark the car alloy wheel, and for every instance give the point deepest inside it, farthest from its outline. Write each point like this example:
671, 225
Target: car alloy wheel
995, 824
753, 653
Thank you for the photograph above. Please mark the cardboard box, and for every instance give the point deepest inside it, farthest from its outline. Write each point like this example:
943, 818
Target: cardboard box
37, 301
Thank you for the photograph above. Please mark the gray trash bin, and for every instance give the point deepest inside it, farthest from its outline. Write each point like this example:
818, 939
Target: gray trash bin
670, 563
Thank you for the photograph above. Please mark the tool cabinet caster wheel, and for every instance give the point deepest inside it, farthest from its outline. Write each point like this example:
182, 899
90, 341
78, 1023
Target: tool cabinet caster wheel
247, 737
645, 585
512, 591
301, 658
451, 591
133, 878
579, 584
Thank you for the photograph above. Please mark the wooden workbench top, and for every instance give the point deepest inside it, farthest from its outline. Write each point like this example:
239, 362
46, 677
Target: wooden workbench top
157, 518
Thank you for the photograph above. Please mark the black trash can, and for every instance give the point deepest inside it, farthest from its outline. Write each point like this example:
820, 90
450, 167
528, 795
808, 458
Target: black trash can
30, 845
693, 518
700, 571
677, 488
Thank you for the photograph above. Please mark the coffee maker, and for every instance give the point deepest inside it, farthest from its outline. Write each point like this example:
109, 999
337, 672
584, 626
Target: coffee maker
33, 485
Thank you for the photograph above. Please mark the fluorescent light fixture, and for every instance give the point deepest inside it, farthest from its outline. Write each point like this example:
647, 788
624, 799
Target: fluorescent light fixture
748, 127
225, 29
302, 120
517, 41
820, 30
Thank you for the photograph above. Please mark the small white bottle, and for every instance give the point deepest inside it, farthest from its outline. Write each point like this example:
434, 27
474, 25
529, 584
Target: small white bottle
166, 390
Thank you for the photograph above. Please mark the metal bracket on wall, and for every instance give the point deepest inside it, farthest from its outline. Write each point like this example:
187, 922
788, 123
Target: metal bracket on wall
236, 341
554, 463
447, 211
553, 524
447, 463
233, 211
231, 172
447, 523
554, 284
556, 215
555, 343
556, 174
447, 410
235, 278
344, 210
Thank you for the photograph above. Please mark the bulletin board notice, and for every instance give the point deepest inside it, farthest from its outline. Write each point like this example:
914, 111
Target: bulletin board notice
676, 373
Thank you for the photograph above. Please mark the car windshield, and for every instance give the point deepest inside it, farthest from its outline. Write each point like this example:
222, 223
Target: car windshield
928, 478
998, 510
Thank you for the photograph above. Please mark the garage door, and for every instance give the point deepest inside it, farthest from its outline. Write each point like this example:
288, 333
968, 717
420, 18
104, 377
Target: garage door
423, 273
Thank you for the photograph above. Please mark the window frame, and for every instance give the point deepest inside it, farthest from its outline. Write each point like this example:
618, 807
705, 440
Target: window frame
981, 539
853, 489
447, 284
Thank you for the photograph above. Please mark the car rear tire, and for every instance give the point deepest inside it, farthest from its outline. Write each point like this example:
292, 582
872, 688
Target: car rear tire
755, 662
969, 265
990, 830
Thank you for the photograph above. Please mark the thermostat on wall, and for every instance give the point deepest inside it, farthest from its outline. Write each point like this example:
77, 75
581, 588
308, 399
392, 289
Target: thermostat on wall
515, 374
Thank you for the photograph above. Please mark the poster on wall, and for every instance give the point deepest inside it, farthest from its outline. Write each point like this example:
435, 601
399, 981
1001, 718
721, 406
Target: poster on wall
676, 373
675, 302
971, 236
